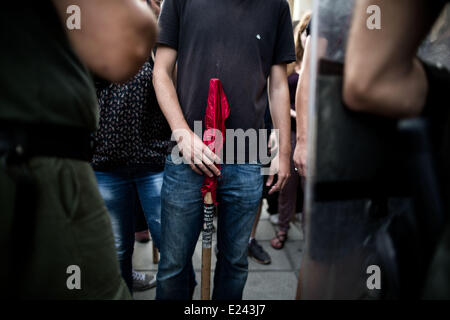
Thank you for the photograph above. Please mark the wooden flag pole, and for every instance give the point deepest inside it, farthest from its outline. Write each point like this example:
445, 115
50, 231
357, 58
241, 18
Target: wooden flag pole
206, 247
155, 254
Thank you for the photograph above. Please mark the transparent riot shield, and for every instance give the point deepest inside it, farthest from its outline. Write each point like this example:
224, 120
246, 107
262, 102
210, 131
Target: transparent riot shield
436, 47
361, 208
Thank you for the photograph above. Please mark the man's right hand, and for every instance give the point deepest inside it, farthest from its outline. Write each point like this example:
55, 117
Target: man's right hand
300, 158
199, 157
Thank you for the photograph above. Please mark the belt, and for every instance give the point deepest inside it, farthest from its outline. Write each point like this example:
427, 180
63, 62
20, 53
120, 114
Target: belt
19, 142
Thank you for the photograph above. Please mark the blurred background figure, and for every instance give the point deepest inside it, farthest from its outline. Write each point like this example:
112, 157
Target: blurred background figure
255, 249
48, 113
129, 152
287, 200
362, 205
401, 80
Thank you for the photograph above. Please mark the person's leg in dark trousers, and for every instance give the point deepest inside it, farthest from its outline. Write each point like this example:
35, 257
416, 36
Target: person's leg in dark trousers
240, 189
255, 250
287, 200
141, 223
181, 224
287, 203
141, 234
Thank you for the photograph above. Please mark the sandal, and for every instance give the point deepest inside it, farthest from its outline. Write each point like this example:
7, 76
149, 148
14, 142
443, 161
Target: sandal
279, 240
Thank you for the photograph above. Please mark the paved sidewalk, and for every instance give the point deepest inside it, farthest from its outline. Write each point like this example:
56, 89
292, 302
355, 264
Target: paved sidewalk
276, 281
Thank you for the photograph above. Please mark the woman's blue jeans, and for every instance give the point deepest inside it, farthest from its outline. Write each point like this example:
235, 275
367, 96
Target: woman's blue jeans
123, 190
239, 193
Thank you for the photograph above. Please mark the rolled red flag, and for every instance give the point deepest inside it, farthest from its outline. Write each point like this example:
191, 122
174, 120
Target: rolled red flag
217, 111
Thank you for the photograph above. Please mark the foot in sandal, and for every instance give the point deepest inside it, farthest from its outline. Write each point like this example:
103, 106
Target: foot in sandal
279, 240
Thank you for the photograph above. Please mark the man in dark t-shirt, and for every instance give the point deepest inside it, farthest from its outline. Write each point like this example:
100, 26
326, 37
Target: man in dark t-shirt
242, 43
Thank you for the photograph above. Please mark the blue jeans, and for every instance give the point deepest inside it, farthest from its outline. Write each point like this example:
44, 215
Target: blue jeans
122, 190
239, 193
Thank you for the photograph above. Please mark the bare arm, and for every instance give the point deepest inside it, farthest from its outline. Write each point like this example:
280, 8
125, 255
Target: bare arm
165, 61
279, 109
116, 36
301, 107
196, 153
382, 73
301, 96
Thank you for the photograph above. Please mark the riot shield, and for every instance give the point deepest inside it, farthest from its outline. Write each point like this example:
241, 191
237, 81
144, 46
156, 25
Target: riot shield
436, 47
362, 211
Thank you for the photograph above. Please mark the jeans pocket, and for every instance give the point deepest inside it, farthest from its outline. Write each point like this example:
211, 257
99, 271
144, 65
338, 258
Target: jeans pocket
169, 159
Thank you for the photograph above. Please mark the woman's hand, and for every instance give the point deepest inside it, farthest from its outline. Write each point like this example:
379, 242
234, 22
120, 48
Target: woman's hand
300, 158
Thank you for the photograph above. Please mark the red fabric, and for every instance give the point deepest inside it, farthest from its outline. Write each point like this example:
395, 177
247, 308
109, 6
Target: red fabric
217, 111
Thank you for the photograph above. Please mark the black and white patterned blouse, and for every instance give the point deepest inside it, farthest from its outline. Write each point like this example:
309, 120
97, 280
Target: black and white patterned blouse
132, 131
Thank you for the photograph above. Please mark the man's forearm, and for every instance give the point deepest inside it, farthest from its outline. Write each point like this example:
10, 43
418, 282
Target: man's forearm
279, 108
281, 117
168, 100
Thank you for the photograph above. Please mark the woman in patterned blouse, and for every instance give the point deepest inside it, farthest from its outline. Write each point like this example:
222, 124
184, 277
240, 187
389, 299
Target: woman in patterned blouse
129, 154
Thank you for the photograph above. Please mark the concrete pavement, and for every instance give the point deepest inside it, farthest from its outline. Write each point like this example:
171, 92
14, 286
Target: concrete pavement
276, 281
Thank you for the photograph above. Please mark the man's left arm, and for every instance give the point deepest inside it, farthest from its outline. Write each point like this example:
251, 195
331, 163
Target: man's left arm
279, 109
